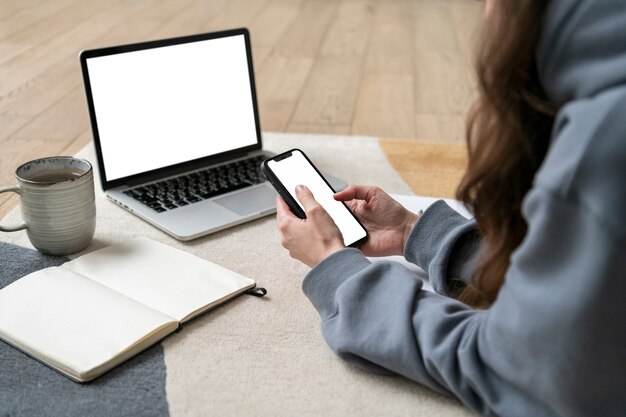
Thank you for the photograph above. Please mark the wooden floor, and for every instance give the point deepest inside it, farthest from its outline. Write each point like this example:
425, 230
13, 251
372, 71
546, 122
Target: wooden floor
388, 68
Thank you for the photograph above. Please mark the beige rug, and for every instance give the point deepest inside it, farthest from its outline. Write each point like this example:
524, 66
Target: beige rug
267, 357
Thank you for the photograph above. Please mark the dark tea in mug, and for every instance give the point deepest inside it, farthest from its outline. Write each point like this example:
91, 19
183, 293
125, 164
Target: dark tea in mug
53, 176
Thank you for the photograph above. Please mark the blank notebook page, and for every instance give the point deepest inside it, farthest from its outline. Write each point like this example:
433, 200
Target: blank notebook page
166, 279
72, 320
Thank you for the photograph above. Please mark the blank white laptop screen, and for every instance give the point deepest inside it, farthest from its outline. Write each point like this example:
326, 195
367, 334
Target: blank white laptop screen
163, 106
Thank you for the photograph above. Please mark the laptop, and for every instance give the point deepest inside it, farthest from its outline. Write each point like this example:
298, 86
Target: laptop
176, 130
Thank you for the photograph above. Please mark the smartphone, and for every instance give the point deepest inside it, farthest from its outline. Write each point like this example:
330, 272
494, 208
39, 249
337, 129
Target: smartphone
292, 168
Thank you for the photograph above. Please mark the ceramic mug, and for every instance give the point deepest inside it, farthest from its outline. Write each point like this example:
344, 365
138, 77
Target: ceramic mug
57, 202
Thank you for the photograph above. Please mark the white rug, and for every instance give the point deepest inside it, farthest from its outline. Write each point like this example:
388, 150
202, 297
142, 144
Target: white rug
267, 357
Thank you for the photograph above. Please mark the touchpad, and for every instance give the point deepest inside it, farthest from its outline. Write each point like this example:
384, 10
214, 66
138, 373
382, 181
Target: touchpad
250, 201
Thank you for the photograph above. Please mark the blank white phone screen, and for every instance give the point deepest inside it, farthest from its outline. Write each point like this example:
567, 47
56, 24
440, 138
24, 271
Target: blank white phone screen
296, 170
163, 106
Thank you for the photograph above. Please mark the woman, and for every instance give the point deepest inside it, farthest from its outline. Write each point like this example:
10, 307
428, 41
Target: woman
528, 318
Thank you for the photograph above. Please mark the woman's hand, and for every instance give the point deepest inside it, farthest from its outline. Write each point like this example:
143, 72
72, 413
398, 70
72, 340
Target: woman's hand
312, 239
387, 221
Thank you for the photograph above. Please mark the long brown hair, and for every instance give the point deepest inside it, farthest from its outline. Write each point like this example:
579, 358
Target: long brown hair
508, 134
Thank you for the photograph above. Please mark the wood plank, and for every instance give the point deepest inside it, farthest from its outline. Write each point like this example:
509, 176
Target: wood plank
349, 34
270, 24
386, 106
442, 82
284, 72
23, 31
139, 24
278, 95
323, 129
329, 97
468, 18
236, 13
11, 8
73, 147
307, 30
440, 127
12, 122
44, 88
274, 114
7, 203
62, 122
22, 68
193, 18
392, 43
40, 91
19, 16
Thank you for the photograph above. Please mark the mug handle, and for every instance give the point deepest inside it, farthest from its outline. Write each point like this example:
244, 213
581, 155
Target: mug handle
21, 226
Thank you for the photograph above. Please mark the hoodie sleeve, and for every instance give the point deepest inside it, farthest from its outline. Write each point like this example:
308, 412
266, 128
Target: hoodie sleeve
553, 343
445, 245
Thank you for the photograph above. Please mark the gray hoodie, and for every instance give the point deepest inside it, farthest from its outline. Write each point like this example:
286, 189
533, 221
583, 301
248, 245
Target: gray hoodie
554, 341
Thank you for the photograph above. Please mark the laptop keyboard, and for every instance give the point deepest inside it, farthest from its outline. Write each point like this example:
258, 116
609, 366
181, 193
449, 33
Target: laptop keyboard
200, 185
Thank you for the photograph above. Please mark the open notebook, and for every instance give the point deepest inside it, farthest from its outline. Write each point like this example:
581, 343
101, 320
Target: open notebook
91, 314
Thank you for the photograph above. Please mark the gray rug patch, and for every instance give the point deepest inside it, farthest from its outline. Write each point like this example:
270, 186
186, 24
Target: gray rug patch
29, 388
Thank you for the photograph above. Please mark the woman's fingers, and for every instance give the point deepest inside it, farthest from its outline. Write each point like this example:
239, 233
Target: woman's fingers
352, 192
306, 198
282, 209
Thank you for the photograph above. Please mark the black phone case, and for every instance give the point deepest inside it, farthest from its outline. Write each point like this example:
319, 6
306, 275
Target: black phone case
278, 186
282, 191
